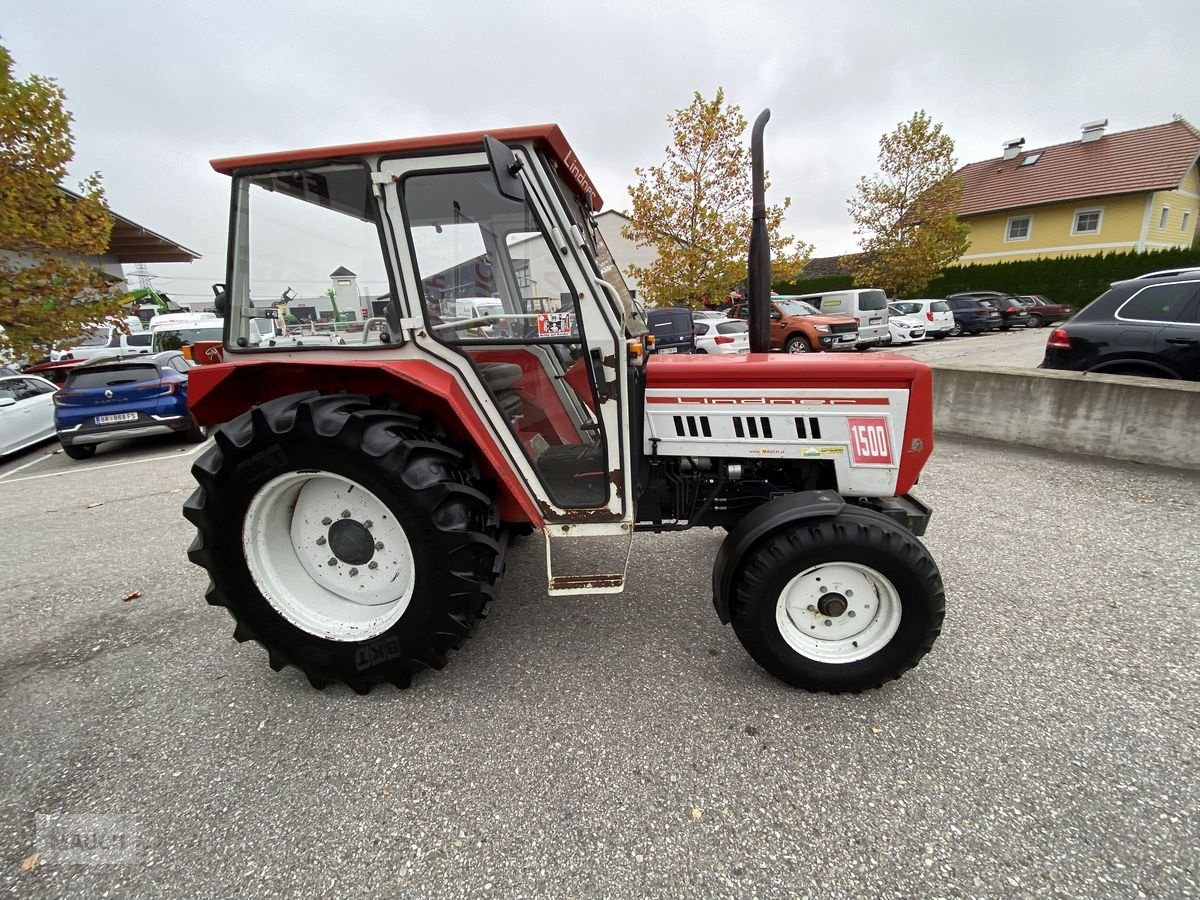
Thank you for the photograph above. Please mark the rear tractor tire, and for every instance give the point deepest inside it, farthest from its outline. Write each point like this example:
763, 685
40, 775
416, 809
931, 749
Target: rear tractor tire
841, 603
346, 537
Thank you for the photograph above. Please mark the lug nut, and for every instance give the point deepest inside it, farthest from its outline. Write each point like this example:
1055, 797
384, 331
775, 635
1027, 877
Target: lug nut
368, 524
850, 614
379, 545
823, 589
827, 622
372, 565
811, 608
345, 513
849, 593
327, 521
333, 561
321, 541
353, 572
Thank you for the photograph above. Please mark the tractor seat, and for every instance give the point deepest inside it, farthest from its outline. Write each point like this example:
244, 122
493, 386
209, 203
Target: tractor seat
501, 378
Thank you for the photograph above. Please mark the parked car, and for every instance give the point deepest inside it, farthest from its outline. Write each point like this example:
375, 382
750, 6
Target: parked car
1042, 311
1167, 273
26, 412
117, 400
1140, 327
698, 314
672, 330
722, 336
867, 306
939, 320
905, 328
973, 316
56, 372
106, 340
1011, 312
799, 327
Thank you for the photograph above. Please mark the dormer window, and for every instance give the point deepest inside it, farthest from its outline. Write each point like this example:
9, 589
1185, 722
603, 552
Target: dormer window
1030, 159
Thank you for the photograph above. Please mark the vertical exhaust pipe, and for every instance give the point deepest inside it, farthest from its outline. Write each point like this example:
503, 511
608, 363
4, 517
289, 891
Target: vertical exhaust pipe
759, 264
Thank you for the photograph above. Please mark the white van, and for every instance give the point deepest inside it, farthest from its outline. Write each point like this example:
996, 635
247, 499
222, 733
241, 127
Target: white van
174, 331
868, 305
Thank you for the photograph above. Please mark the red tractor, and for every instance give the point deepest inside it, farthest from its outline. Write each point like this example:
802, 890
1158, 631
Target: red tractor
354, 512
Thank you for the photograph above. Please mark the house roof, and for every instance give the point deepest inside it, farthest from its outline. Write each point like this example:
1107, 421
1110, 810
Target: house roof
1144, 159
342, 272
134, 243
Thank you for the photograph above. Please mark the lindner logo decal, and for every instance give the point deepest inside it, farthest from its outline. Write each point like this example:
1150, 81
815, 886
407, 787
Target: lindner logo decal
581, 179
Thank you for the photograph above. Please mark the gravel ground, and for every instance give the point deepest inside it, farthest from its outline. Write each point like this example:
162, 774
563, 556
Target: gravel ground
618, 746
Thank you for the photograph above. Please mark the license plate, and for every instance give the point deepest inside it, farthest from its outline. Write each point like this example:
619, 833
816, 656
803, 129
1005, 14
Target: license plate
115, 418
876, 320
669, 350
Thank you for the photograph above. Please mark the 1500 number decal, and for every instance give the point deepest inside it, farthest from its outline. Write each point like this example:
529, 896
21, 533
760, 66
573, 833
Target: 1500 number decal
869, 441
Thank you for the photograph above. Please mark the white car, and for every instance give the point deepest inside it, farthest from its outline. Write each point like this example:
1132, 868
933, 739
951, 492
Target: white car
26, 412
939, 318
905, 328
107, 340
721, 336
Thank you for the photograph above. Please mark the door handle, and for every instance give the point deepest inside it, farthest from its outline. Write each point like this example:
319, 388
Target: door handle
1183, 341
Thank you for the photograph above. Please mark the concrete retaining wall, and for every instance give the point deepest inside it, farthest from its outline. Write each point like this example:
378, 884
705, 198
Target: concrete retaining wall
1116, 416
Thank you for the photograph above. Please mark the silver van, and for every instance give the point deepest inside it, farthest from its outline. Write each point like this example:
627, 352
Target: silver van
867, 305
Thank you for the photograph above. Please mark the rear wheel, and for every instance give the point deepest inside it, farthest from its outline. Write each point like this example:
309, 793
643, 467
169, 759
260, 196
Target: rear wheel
80, 451
797, 343
956, 329
843, 603
345, 537
1035, 322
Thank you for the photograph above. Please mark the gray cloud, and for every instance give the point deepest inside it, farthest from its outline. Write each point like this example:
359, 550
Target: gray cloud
158, 89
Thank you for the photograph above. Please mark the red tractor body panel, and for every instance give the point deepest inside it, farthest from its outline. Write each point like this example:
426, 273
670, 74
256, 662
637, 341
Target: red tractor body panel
222, 391
692, 378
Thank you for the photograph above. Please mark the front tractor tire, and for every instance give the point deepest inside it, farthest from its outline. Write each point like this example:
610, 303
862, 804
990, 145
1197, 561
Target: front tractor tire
347, 538
839, 603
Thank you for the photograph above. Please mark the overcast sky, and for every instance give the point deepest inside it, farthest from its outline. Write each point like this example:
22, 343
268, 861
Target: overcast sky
159, 88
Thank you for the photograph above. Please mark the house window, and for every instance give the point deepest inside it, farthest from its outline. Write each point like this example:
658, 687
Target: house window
1018, 228
1087, 221
1187, 215
1162, 219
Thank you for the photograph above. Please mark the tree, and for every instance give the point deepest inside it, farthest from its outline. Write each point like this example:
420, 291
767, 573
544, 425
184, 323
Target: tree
695, 210
905, 216
48, 289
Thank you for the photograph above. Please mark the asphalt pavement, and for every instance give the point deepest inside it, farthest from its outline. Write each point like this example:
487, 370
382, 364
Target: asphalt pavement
616, 746
1019, 348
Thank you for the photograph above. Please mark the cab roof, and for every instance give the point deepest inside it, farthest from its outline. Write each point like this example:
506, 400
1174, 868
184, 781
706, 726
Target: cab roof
548, 137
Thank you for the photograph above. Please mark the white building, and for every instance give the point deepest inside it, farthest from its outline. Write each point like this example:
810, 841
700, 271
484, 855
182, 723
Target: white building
624, 251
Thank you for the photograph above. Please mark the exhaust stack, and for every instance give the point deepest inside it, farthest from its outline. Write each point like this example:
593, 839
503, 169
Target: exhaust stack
759, 263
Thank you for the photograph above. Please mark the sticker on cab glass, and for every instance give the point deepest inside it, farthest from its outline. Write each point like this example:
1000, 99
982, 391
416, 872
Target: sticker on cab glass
869, 441
555, 324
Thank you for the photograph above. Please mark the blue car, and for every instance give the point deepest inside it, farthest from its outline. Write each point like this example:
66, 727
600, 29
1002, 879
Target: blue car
121, 398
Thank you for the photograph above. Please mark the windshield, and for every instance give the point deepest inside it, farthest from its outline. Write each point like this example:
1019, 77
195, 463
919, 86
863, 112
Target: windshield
177, 338
98, 338
796, 308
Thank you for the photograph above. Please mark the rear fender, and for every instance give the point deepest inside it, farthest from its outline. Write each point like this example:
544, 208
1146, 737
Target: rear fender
756, 525
219, 392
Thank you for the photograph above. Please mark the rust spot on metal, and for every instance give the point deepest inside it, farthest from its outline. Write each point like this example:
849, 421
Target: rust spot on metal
610, 361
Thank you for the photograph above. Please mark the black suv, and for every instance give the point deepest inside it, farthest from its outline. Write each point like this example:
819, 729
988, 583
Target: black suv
973, 316
1012, 311
1138, 327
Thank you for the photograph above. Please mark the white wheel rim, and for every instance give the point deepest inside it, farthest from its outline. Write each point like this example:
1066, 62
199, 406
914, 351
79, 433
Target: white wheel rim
838, 612
317, 572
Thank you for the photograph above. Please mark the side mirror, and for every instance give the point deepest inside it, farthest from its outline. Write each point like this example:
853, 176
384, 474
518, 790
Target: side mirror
776, 314
220, 300
505, 168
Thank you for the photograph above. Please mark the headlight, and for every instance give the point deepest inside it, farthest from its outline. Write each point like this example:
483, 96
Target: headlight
824, 329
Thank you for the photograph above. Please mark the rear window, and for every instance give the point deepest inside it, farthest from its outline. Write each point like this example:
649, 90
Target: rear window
872, 300
701, 328
906, 309
139, 340
671, 322
110, 376
939, 306
176, 338
732, 328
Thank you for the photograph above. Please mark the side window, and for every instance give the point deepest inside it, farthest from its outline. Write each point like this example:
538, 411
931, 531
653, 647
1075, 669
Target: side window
1161, 303
741, 312
41, 388
701, 328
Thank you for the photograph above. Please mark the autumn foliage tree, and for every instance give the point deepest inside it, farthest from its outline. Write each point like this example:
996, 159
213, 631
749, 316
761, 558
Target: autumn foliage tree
49, 239
905, 216
694, 209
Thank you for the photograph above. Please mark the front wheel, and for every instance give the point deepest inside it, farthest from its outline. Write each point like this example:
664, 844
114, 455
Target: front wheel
797, 343
345, 537
843, 603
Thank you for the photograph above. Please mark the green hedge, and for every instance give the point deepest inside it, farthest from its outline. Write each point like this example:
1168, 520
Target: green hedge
814, 285
1076, 279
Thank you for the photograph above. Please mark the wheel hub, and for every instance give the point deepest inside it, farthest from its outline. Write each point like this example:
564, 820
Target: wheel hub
838, 612
351, 542
832, 605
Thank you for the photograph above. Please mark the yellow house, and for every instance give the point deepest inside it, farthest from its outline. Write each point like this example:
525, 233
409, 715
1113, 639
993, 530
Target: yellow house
1133, 190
